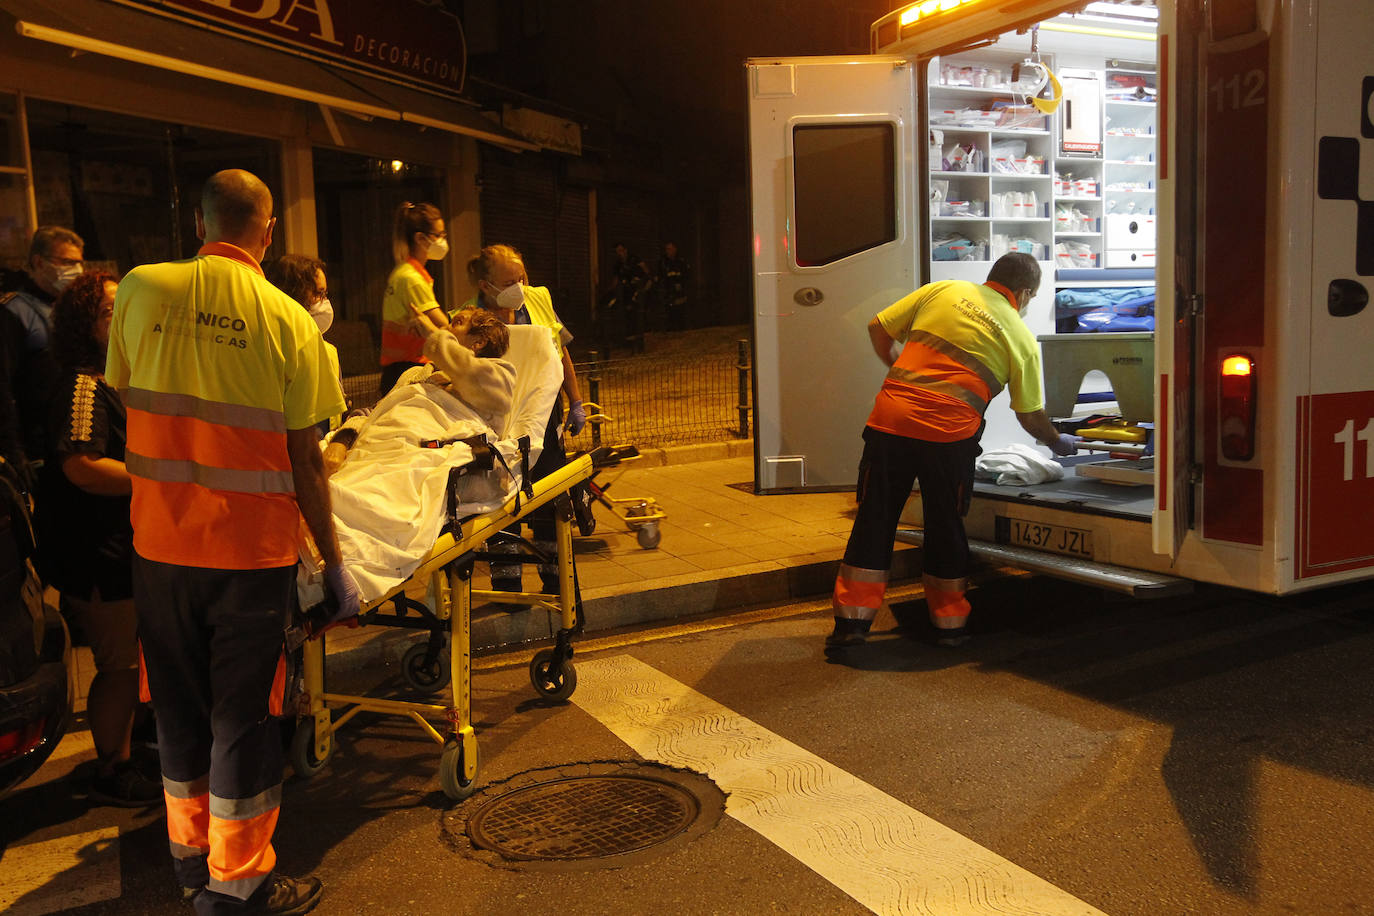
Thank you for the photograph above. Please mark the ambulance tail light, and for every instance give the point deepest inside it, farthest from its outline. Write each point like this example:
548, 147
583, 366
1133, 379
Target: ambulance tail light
1237, 413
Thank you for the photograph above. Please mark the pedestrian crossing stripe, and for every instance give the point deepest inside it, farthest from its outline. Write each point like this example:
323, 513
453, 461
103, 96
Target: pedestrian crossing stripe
885, 854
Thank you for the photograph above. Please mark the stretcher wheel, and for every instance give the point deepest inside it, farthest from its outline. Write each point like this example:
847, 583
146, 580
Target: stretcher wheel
451, 770
425, 678
649, 536
552, 677
303, 756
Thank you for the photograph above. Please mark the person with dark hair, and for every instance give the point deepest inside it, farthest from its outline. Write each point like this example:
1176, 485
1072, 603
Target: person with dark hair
671, 277
224, 379
56, 259
418, 236
962, 343
85, 540
302, 278
627, 303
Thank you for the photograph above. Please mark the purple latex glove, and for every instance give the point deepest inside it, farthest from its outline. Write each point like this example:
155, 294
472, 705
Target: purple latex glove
339, 585
1064, 445
577, 418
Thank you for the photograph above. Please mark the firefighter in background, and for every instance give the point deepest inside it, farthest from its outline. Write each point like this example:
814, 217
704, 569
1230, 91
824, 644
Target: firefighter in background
671, 276
224, 379
962, 343
626, 306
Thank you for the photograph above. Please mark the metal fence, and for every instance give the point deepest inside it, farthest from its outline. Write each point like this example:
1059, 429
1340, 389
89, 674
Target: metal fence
667, 399
674, 398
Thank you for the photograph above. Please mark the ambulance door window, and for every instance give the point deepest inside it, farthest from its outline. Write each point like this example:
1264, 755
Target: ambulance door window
846, 190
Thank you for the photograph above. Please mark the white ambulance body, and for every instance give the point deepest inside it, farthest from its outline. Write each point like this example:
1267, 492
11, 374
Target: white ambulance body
1263, 222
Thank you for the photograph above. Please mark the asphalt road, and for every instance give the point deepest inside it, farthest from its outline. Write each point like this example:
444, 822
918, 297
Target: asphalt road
1205, 755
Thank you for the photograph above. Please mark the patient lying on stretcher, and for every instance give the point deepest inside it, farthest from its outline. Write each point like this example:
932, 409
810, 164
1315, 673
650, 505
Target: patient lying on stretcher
465, 360
389, 470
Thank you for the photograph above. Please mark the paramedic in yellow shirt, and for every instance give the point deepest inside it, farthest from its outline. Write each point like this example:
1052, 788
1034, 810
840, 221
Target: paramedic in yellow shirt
224, 379
962, 343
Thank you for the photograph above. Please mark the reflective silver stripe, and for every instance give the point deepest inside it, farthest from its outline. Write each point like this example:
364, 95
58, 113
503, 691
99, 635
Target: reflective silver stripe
859, 574
242, 809
854, 612
241, 889
943, 386
180, 851
186, 405
960, 356
230, 480
193, 789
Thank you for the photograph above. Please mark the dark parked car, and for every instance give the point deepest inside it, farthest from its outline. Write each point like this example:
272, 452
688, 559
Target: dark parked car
37, 684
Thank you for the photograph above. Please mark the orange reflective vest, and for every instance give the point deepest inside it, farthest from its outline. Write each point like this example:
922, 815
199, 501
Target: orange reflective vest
408, 284
215, 365
963, 342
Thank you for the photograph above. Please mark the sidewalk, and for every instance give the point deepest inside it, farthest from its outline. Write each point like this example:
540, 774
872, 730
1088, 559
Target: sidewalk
722, 548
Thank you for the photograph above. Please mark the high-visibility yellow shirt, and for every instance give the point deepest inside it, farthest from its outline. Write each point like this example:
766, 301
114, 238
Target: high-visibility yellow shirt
963, 343
408, 284
215, 364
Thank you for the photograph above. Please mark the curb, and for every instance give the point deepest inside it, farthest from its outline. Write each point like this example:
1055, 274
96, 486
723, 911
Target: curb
671, 599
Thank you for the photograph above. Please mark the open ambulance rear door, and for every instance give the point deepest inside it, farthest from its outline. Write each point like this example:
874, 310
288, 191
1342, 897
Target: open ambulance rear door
833, 176
837, 177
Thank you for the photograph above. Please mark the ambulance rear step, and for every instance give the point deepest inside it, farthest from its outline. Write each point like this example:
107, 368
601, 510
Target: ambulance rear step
1134, 582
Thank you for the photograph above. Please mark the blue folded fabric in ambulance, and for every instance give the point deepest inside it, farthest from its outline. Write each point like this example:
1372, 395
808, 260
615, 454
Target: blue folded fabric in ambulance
1116, 308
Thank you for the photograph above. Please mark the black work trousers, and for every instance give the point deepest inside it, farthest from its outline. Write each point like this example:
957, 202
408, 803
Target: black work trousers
889, 467
506, 576
213, 645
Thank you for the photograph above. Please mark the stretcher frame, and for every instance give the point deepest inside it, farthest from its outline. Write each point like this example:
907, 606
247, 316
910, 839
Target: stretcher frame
448, 571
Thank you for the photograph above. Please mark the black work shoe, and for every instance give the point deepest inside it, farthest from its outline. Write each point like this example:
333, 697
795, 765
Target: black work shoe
289, 896
951, 638
849, 631
126, 787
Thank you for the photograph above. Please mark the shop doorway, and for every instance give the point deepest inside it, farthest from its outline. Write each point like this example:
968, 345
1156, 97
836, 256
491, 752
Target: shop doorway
355, 203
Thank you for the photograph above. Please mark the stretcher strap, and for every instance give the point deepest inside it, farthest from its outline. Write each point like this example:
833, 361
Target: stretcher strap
455, 526
525, 483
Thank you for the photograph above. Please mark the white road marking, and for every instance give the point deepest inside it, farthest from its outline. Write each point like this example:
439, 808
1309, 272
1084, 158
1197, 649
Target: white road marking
59, 874
886, 855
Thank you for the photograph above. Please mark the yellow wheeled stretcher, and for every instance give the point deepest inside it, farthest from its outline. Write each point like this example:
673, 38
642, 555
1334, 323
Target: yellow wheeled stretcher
417, 498
448, 572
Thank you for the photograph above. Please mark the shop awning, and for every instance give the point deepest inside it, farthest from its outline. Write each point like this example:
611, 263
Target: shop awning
113, 30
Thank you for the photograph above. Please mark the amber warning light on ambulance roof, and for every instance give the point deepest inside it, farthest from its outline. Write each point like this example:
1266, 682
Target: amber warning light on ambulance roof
925, 9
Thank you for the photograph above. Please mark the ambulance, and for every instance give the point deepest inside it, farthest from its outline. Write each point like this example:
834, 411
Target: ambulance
1207, 163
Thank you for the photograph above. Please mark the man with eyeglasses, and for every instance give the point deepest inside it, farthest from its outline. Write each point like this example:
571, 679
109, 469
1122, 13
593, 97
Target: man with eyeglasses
56, 258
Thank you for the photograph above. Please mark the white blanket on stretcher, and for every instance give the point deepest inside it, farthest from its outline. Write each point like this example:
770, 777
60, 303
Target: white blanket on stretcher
390, 497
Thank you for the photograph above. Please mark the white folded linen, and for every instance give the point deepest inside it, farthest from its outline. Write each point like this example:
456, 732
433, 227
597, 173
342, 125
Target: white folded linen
1017, 465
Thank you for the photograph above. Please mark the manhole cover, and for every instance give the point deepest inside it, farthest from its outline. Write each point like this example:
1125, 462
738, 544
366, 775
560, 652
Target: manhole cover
585, 815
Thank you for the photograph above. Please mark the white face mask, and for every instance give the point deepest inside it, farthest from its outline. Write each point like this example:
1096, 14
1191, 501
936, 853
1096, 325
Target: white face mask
512, 297
323, 313
64, 276
437, 250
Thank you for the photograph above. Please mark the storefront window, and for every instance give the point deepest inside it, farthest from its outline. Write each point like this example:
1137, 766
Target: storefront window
14, 207
129, 186
355, 202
